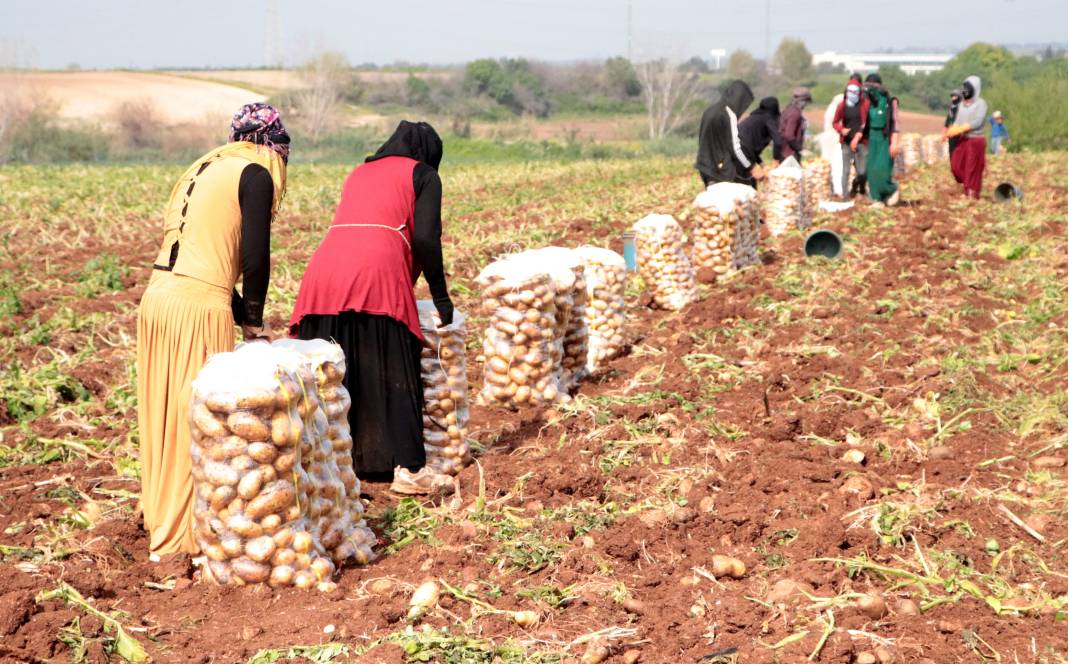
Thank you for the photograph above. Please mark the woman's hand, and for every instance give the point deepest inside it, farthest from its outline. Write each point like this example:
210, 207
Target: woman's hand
854, 143
758, 172
256, 333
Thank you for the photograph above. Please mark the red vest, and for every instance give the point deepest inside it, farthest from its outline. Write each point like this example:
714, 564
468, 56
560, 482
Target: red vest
365, 261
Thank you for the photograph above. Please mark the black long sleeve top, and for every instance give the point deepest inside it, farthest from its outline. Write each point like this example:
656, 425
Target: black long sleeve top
255, 195
426, 237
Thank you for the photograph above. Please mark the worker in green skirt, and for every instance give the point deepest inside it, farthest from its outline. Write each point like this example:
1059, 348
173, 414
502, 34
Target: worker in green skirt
882, 135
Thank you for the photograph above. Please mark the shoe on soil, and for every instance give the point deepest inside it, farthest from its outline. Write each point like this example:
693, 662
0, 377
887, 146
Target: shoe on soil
895, 198
878, 204
424, 482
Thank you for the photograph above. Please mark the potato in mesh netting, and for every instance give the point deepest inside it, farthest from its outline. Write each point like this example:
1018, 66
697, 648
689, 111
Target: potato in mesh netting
910, 150
784, 198
606, 317
663, 262
276, 497
520, 342
932, 149
726, 233
817, 186
444, 372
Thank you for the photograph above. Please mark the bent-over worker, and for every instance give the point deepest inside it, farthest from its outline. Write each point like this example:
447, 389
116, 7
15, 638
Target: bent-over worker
216, 229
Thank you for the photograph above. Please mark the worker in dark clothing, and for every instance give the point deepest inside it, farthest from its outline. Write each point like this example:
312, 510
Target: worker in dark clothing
757, 131
792, 125
719, 150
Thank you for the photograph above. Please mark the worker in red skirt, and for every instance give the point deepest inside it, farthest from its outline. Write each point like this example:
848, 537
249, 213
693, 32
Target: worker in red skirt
358, 290
969, 157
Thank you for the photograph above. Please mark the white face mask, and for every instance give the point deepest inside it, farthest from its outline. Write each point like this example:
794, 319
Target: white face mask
852, 95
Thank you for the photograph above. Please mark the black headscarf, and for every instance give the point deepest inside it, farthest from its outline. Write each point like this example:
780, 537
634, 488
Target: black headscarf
769, 106
715, 148
415, 140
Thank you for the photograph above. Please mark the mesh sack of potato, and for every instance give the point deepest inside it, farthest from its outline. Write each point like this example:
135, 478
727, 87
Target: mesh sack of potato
518, 346
334, 507
726, 232
784, 199
444, 373
606, 281
932, 149
663, 262
817, 186
910, 150
248, 437
568, 273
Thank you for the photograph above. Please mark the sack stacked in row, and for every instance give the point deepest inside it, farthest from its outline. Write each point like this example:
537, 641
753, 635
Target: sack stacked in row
444, 373
910, 149
606, 280
333, 508
817, 186
726, 232
663, 263
568, 273
517, 349
784, 201
932, 149
271, 503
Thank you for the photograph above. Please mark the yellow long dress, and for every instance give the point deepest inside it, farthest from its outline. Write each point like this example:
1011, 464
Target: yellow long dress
183, 319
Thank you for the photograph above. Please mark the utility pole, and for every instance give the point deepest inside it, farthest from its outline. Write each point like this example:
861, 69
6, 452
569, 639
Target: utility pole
272, 50
630, 30
767, 33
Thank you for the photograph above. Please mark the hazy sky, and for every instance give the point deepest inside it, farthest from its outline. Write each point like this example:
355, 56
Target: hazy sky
218, 33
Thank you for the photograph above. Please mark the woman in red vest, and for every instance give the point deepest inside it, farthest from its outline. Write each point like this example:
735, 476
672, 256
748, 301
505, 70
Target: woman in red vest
358, 290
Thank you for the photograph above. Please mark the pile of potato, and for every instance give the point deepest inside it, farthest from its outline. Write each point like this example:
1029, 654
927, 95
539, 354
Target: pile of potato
606, 281
784, 200
517, 350
662, 261
932, 149
817, 186
272, 504
444, 372
910, 150
726, 234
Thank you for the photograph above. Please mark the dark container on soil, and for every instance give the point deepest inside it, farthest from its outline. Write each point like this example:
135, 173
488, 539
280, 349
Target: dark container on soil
823, 242
1007, 191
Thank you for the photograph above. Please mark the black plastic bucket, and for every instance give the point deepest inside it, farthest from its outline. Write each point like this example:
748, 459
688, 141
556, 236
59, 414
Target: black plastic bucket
1007, 191
823, 242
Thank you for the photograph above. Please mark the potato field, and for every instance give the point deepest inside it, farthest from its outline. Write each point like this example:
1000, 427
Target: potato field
860, 460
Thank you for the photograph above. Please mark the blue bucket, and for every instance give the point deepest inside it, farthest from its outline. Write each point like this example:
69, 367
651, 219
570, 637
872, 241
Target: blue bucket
630, 251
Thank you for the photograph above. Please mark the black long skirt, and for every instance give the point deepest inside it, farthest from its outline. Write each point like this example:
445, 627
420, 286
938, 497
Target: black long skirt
383, 378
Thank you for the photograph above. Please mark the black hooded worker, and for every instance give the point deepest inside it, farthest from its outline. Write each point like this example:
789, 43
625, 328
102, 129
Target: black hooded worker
719, 151
951, 119
759, 130
358, 290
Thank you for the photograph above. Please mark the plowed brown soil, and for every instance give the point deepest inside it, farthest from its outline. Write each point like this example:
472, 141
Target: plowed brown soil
751, 491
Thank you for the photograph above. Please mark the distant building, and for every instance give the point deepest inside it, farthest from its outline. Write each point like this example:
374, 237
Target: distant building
910, 63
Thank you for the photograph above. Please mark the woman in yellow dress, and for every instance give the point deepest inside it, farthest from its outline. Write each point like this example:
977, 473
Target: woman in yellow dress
216, 229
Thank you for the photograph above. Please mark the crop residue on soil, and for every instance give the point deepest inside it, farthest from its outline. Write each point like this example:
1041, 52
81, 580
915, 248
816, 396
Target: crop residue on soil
856, 434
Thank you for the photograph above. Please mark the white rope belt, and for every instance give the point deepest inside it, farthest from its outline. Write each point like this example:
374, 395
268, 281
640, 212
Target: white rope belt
399, 230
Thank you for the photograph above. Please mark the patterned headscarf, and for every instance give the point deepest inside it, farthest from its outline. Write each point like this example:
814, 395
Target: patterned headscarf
260, 123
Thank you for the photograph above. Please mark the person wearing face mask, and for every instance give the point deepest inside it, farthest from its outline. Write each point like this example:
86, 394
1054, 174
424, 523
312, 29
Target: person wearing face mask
951, 119
881, 133
758, 130
969, 157
792, 124
720, 157
850, 121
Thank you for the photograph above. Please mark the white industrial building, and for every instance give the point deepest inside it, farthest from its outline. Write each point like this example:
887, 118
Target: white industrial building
910, 63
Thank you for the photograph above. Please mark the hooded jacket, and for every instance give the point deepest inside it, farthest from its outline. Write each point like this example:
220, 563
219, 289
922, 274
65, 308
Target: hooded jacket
973, 112
864, 105
759, 129
719, 153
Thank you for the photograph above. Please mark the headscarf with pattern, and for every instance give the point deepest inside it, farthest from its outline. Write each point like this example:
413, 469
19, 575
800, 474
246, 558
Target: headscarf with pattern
261, 124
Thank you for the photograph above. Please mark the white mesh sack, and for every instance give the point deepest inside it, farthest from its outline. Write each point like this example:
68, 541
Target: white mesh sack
606, 282
662, 261
726, 233
444, 372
